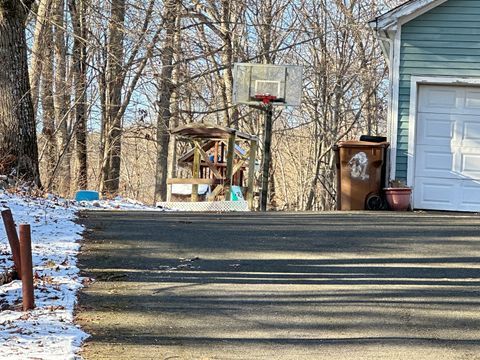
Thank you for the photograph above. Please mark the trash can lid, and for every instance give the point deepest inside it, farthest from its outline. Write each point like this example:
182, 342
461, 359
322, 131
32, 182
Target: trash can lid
361, 144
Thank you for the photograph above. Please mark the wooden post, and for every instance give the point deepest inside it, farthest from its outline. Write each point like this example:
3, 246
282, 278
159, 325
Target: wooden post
266, 157
251, 173
195, 172
27, 270
222, 152
12, 239
215, 160
230, 156
172, 149
206, 160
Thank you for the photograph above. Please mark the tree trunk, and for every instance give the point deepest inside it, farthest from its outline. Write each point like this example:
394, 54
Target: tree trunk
231, 114
318, 163
61, 97
18, 142
113, 122
165, 89
48, 113
78, 9
39, 43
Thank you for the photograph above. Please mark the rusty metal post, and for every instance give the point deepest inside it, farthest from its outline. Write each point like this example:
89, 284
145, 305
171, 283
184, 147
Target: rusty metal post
12, 239
27, 269
195, 172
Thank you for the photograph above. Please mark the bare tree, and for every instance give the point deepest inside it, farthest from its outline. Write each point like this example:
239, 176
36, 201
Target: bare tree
165, 91
61, 97
48, 107
342, 78
121, 80
113, 97
18, 143
173, 61
40, 40
78, 9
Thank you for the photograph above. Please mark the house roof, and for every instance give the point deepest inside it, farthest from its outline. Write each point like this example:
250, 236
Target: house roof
209, 131
411, 9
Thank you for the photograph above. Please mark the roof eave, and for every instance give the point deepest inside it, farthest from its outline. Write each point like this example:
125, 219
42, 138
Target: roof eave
389, 20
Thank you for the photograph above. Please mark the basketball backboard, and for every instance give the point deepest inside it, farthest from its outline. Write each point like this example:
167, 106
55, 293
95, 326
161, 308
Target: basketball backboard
281, 84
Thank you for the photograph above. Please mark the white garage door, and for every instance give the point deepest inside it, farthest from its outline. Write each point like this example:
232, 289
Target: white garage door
447, 151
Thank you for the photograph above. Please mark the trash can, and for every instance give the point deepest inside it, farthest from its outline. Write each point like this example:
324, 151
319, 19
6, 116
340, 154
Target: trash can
359, 175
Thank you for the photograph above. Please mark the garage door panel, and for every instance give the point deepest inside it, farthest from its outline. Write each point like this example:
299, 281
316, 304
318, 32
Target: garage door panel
435, 129
471, 133
435, 98
435, 161
436, 194
472, 101
470, 196
470, 166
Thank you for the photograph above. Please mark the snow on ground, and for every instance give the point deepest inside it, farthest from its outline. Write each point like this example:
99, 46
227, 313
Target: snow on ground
118, 203
48, 331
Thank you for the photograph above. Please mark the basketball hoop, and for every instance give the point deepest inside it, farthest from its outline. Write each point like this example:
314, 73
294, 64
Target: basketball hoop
265, 98
266, 84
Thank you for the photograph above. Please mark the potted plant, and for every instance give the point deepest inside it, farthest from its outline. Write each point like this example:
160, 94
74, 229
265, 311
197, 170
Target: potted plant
398, 195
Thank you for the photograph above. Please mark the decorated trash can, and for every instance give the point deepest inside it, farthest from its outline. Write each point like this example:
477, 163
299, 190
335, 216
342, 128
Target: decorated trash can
359, 175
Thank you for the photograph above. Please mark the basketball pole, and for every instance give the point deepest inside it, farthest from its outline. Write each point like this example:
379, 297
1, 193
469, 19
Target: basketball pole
266, 155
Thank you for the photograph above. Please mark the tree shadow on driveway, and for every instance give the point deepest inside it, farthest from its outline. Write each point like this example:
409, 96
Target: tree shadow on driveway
250, 285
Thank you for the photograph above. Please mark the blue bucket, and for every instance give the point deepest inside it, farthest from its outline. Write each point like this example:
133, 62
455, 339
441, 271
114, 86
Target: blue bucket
86, 195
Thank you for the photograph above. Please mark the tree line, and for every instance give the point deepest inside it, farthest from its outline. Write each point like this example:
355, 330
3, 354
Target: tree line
90, 89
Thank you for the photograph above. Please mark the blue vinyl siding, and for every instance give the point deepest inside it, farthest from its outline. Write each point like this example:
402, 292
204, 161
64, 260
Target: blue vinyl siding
442, 42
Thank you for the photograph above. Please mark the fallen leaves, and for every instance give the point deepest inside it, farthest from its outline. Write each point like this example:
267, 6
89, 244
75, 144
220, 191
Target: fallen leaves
50, 264
87, 281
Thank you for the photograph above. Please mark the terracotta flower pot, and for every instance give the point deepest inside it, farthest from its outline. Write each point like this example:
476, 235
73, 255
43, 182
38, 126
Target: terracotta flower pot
398, 199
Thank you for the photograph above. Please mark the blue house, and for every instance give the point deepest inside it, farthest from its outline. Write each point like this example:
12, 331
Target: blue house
433, 53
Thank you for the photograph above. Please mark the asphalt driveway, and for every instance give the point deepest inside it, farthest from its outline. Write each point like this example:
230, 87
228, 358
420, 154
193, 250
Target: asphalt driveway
281, 286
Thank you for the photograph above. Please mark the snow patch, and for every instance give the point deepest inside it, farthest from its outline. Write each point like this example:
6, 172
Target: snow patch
48, 331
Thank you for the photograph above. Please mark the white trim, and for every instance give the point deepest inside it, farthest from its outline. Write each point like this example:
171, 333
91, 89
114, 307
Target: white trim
412, 131
446, 80
389, 58
386, 44
421, 11
415, 81
394, 100
403, 14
